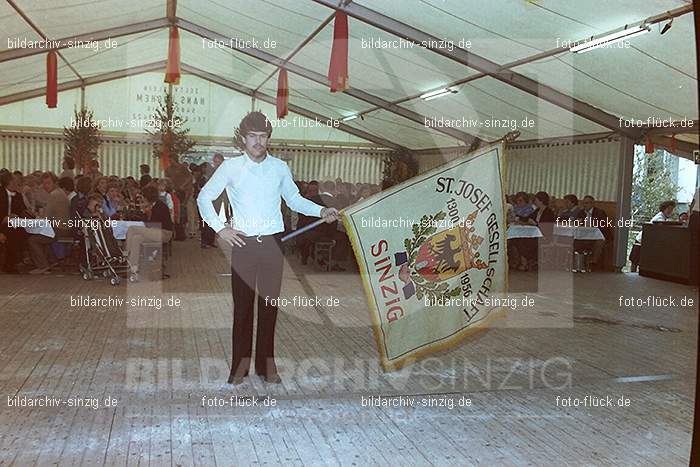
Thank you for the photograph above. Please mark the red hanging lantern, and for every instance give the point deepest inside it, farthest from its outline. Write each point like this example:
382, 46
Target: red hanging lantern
51, 79
172, 70
282, 94
338, 68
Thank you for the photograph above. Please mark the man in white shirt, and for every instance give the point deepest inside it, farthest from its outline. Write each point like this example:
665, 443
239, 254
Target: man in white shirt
255, 184
665, 211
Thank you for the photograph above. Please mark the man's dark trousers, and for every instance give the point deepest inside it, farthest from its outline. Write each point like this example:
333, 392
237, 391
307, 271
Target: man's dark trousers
258, 262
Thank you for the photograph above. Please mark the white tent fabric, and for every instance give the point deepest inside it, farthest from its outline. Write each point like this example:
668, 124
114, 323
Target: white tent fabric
654, 77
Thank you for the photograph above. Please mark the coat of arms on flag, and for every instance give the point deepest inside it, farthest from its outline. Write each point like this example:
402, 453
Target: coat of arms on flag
432, 255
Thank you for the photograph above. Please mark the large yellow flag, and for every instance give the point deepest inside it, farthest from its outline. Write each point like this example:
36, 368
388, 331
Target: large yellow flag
432, 255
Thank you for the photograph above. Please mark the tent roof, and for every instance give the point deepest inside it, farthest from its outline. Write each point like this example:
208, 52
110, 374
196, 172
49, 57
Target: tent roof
513, 70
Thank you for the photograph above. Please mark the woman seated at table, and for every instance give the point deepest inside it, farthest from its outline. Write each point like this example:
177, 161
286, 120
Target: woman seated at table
522, 208
543, 218
159, 226
113, 201
93, 207
665, 212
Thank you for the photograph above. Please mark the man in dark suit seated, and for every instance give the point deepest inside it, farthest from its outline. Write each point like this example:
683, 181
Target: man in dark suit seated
12, 240
592, 216
572, 210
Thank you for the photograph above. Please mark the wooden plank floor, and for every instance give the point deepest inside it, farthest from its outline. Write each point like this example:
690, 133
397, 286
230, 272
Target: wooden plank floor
166, 370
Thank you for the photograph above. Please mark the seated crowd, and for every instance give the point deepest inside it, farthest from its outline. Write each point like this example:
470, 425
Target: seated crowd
167, 206
67, 199
334, 194
544, 211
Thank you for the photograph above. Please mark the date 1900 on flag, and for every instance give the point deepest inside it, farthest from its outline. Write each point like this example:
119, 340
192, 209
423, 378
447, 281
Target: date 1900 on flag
432, 255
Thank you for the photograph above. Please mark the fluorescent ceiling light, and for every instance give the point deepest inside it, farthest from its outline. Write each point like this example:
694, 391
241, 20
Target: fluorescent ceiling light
434, 94
351, 117
610, 38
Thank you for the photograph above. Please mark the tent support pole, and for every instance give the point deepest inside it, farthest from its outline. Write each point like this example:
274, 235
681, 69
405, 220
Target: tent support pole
624, 202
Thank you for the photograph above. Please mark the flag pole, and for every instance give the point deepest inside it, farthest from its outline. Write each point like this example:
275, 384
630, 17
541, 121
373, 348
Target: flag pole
306, 228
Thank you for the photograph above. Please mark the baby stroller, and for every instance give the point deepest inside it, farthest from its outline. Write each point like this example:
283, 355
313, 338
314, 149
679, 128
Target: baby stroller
102, 252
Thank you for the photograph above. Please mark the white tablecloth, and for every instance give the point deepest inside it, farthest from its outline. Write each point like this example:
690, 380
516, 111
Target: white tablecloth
33, 226
119, 228
524, 231
579, 233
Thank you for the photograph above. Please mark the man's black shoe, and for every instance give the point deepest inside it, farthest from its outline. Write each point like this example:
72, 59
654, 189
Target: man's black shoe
235, 380
273, 378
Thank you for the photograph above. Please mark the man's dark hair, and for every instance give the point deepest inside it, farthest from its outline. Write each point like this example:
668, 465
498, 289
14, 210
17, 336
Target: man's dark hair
313, 182
145, 180
17, 172
145, 168
589, 197
66, 183
83, 185
5, 179
151, 194
666, 204
543, 196
253, 121
70, 162
572, 199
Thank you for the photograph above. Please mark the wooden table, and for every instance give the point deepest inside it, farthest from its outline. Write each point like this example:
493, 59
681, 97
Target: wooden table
33, 226
578, 232
524, 231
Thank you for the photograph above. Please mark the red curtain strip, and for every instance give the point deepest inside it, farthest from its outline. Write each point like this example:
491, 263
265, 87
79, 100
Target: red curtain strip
282, 94
338, 69
172, 70
51, 80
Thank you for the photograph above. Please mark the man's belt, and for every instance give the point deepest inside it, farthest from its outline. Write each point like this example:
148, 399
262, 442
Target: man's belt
260, 238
